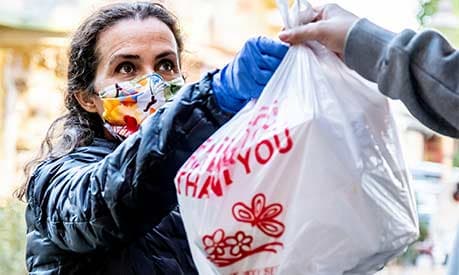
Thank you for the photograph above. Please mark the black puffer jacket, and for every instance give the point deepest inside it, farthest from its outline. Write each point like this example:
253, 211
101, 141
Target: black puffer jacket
112, 209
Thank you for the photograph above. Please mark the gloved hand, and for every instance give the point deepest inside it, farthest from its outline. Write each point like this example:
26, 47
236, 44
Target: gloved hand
245, 77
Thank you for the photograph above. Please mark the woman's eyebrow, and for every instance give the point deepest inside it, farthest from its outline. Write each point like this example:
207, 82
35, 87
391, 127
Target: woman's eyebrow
123, 56
164, 54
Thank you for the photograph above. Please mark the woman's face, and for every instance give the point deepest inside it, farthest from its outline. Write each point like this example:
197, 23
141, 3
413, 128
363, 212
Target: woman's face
132, 48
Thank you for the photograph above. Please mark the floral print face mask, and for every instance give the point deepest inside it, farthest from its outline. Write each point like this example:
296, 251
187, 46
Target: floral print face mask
127, 104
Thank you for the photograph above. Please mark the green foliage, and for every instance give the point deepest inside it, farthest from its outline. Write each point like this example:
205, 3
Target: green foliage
456, 155
452, 35
409, 257
427, 9
456, 6
423, 230
12, 237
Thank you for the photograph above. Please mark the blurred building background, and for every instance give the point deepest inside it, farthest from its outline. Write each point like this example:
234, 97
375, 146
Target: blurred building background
33, 44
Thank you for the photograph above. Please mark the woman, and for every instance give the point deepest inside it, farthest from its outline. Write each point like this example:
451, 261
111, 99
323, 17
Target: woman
101, 198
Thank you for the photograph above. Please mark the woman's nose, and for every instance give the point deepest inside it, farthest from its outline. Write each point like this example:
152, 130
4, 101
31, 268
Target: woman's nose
149, 71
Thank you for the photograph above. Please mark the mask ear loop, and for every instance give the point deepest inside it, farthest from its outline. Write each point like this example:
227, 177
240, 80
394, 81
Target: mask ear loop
107, 125
154, 89
115, 135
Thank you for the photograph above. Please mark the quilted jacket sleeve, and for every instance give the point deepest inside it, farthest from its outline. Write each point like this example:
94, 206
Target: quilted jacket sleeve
82, 204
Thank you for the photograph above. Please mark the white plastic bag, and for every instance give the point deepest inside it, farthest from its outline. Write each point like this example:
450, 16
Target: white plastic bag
307, 180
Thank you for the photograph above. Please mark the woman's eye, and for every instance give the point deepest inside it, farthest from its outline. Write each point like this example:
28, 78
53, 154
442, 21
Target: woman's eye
165, 66
125, 68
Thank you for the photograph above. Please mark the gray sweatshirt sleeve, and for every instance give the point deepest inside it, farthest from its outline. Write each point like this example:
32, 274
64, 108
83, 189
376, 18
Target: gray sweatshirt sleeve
420, 69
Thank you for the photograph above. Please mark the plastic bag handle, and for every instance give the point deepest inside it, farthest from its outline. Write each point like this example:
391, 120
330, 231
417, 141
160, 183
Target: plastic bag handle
292, 18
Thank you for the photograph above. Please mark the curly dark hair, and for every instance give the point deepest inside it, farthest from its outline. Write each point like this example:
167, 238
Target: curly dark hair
78, 127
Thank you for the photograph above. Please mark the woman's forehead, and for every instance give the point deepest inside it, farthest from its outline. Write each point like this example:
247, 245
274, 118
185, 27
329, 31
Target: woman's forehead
136, 35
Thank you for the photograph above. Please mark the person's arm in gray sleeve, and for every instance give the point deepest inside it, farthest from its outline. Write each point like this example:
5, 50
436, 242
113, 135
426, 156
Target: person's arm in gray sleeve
420, 69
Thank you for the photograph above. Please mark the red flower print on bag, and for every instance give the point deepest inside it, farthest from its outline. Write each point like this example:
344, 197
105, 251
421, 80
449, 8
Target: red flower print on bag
239, 243
225, 250
215, 243
260, 215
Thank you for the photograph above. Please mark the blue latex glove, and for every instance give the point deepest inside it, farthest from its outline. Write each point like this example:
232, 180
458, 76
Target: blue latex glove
245, 77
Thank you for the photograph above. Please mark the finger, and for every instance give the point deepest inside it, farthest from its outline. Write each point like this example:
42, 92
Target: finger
252, 62
306, 16
260, 81
318, 8
269, 62
302, 33
264, 76
318, 15
319, 11
252, 58
271, 47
